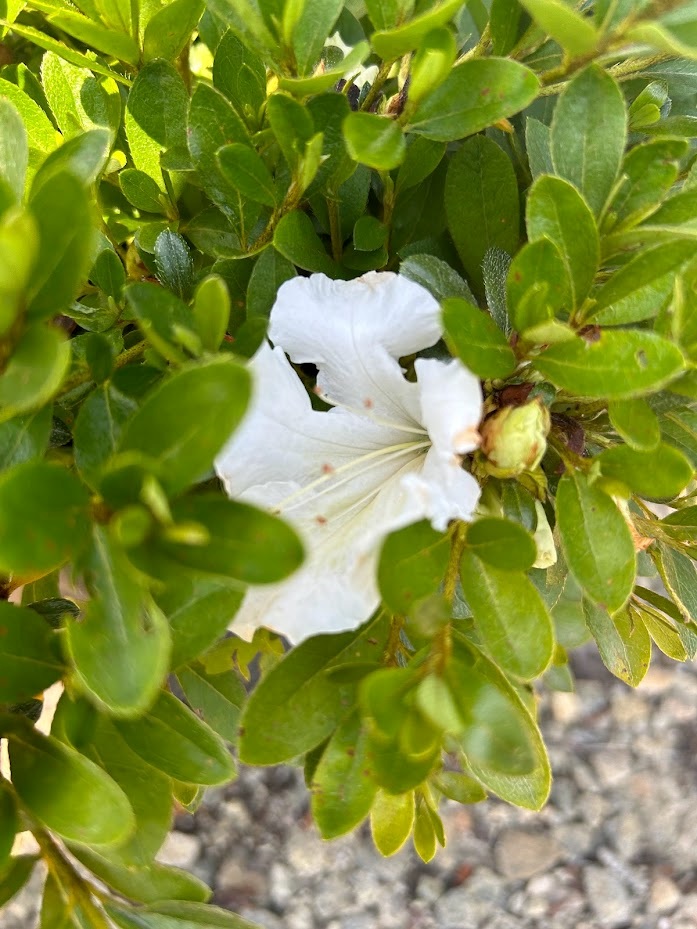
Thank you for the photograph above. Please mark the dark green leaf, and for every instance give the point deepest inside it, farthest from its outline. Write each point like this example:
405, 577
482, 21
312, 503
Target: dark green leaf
244, 169
270, 271
412, 565
24, 438
295, 238
16, 876
240, 75
501, 543
29, 654
374, 141
98, 428
436, 276
175, 266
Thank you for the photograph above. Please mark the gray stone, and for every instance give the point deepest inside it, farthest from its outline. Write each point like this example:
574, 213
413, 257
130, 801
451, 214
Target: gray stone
180, 850
607, 897
467, 906
519, 854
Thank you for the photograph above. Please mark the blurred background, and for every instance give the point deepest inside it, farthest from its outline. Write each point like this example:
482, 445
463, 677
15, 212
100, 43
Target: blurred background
615, 848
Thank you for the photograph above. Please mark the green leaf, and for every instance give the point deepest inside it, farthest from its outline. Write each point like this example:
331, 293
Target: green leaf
636, 423
185, 421
391, 820
412, 565
682, 524
342, 786
24, 438
241, 541
503, 723
120, 617
142, 191
481, 192
664, 632
295, 238
16, 876
40, 133
199, 610
297, 705
424, 836
622, 641
618, 365
165, 320
211, 311
506, 23
502, 543
589, 132
459, 787
538, 285
369, 234
573, 31
147, 883
35, 371
112, 43
64, 220
392, 43
174, 740
638, 290
476, 95
215, 698
43, 517
510, 616
539, 147
240, 75
476, 339
679, 574
29, 654
175, 266
83, 804
436, 276
422, 158
659, 474
169, 31
244, 169
315, 23
77, 99
558, 212
596, 540
650, 170
374, 141
155, 118
269, 272
14, 149
98, 429
317, 83
178, 916
9, 827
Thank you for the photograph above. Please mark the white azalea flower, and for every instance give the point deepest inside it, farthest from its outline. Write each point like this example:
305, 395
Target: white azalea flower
387, 454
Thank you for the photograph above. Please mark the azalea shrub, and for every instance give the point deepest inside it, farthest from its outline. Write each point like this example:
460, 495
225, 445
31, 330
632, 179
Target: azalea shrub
347, 384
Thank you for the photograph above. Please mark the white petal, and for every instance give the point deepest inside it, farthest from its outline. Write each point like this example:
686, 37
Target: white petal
451, 404
354, 331
283, 439
443, 491
336, 588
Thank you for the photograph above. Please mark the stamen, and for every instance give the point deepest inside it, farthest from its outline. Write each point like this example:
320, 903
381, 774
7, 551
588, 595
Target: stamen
375, 458
366, 414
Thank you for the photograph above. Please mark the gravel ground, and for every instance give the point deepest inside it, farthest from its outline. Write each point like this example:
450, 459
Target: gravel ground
616, 847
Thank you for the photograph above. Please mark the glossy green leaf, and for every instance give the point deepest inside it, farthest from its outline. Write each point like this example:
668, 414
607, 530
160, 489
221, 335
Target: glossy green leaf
374, 141
270, 271
29, 654
185, 421
121, 616
659, 474
83, 804
589, 132
617, 364
481, 192
476, 339
558, 212
622, 641
342, 786
412, 565
43, 517
165, 320
597, 543
509, 615
477, 94
239, 74
436, 276
502, 543
174, 740
297, 705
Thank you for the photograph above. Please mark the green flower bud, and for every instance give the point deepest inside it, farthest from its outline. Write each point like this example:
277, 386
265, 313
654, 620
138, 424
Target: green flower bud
514, 439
